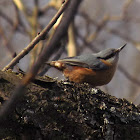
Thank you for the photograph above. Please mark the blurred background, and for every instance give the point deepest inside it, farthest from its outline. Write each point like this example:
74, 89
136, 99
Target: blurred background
97, 25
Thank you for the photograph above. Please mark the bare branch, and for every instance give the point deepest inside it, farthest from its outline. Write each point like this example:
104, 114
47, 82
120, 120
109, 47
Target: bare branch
39, 37
60, 32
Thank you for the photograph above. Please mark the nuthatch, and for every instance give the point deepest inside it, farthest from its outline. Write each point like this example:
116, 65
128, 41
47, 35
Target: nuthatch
96, 69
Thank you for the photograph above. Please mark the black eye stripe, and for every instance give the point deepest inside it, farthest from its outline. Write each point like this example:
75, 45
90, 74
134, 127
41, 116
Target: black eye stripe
108, 56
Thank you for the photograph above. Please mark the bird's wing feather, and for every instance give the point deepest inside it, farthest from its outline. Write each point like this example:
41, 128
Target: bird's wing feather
97, 65
74, 62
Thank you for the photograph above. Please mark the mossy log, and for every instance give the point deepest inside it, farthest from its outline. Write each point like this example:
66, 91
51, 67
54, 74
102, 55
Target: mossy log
53, 109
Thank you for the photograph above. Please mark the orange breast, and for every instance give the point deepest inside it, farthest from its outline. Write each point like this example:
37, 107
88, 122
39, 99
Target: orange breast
95, 78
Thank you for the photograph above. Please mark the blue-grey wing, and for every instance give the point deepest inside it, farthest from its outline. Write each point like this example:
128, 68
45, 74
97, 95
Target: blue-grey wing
99, 65
86, 61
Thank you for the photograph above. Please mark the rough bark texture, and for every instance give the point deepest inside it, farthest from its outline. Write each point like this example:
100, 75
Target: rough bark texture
64, 110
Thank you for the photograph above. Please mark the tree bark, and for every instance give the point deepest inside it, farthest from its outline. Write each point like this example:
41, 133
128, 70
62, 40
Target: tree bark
53, 109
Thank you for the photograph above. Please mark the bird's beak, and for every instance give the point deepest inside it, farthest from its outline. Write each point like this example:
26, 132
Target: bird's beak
119, 49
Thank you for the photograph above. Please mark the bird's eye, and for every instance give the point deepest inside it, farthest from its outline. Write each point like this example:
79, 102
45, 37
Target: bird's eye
99, 57
111, 55
107, 55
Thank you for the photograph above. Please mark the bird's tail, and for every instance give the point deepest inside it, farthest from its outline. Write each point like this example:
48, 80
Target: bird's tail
57, 64
48, 63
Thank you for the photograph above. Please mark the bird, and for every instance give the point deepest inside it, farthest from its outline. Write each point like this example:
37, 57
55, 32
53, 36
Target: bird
96, 69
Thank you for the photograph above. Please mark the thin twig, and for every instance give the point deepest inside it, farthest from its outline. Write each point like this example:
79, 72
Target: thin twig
4, 16
112, 31
71, 47
58, 35
34, 26
19, 22
56, 57
99, 28
10, 105
39, 37
7, 43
